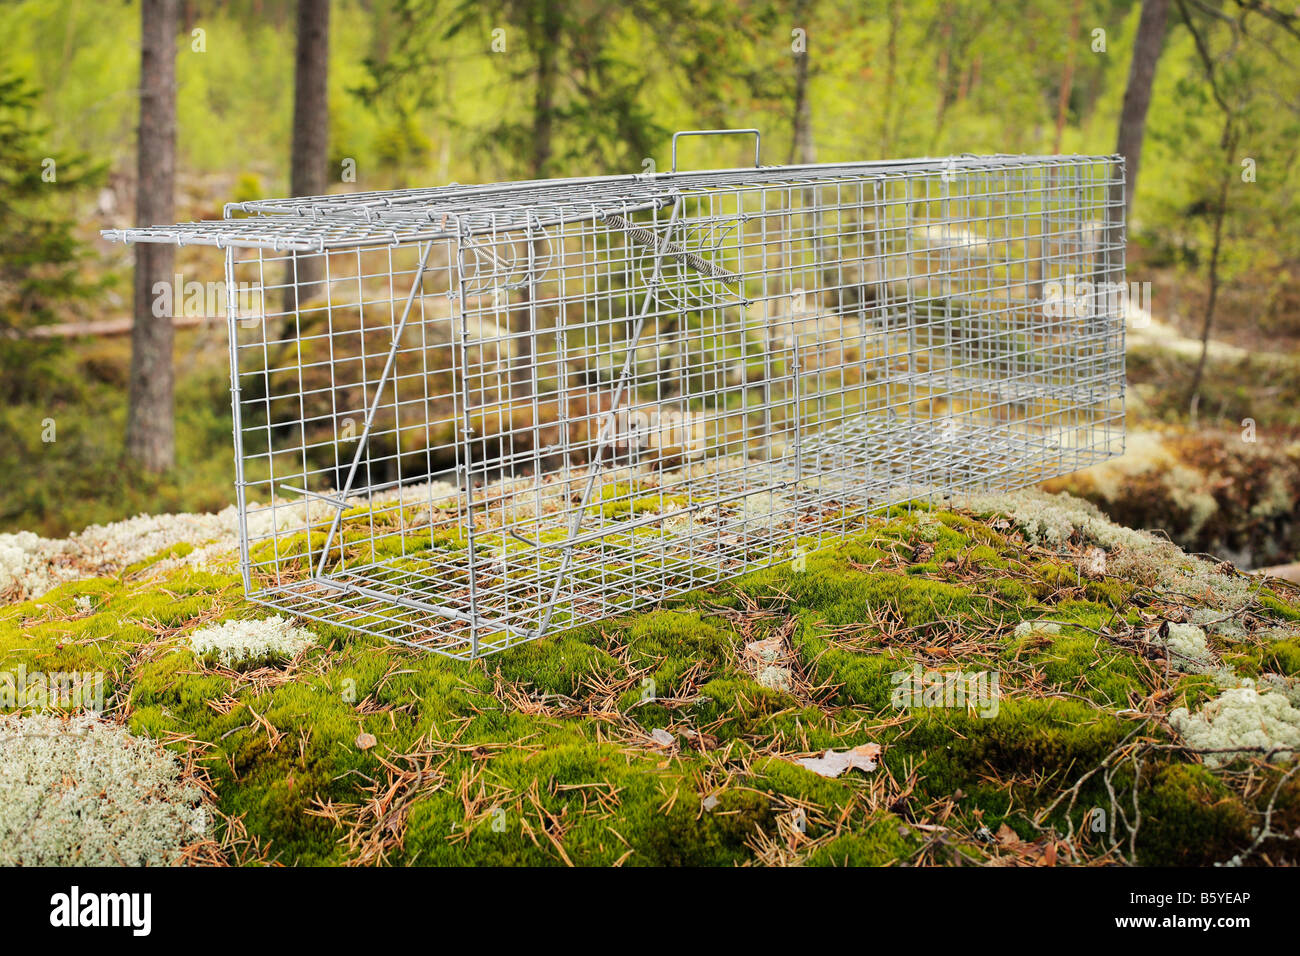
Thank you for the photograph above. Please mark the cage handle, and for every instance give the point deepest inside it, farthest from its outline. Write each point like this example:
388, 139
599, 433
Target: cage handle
758, 137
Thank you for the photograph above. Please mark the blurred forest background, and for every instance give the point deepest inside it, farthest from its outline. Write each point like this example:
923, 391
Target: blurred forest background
425, 92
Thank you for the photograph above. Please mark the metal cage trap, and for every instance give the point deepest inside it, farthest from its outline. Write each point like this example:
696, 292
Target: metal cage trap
467, 416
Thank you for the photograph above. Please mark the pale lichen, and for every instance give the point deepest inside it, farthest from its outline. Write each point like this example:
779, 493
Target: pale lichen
1241, 717
236, 642
31, 565
84, 792
1186, 647
1053, 521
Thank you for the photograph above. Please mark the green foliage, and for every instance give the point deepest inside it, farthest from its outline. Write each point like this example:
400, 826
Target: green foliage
40, 256
575, 84
248, 188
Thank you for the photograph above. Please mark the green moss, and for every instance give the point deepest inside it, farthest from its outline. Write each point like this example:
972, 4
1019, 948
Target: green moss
1287, 610
1189, 818
556, 665
1092, 668
543, 753
1282, 657
175, 551
622, 499
882, 840
661, 816
862, 679
1037, 738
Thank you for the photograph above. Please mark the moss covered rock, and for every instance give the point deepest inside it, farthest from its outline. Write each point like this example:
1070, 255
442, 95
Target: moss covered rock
1020, 688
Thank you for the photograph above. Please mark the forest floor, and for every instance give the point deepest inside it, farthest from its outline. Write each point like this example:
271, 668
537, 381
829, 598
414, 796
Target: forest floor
1124, 702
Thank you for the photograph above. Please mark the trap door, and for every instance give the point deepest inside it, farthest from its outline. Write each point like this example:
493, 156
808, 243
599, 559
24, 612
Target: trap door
737, 347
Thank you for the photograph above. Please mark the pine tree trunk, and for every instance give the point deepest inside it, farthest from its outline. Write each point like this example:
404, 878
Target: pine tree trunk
311, 127
546, 43
150, 431
891, 76
1067, 78
801, 142
1216, 256
1137, 94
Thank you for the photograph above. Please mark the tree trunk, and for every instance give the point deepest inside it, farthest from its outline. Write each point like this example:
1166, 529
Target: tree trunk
546, 42
803, 150
943, 73
150, 431
801, 141
1216, 252
309, 166
1137, 94
1067, 78
891, 75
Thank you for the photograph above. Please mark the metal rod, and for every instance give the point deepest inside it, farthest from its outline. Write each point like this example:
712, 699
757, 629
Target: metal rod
647, 238
758, 139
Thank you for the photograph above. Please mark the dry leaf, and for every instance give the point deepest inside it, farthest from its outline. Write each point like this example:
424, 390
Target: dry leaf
833, 764
1007, 836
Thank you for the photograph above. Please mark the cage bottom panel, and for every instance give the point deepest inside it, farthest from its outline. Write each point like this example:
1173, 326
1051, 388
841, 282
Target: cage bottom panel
509, 588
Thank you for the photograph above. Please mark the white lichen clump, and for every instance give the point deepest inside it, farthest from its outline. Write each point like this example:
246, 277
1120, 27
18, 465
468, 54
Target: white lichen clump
1288, 687
1241, 717
1053, 520
766, 508
236, 642
26, 563
82, 792
686, 525
928, 527
1221, 625
31, 565
776, 678
1187, 648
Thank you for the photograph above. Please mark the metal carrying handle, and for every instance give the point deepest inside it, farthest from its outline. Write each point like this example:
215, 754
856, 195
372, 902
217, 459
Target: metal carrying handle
758, 137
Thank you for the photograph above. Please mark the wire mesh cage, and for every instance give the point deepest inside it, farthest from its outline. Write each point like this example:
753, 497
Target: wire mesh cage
468, 416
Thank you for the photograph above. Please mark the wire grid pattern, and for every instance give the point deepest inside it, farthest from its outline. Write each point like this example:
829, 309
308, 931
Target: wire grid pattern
493, 412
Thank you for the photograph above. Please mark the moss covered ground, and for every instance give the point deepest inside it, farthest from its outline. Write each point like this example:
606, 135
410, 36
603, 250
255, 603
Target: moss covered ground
658, 739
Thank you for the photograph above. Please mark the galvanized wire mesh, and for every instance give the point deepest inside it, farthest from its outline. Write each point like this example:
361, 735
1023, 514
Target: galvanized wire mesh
498, 411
